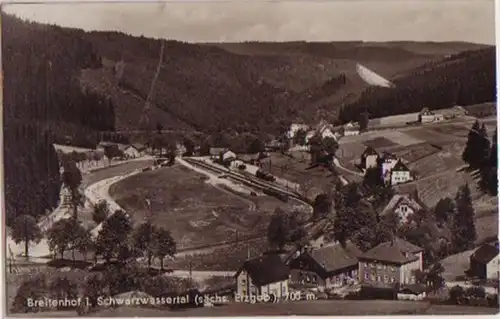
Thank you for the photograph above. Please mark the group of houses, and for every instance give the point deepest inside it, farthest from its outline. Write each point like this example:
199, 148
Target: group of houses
428, 116
388, 270
134, 150
392, 168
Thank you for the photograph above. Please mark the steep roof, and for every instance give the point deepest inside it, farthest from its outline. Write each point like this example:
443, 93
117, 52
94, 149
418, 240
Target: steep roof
485, 253
393, 251
138, 146
402, 198
217, 150
335, 257
399, 166
369, 151
387, 155
265, 269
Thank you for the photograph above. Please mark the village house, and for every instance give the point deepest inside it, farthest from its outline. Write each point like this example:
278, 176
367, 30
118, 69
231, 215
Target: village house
135, 150
484, 262
390, 264
351, 129
399, 174
267, 274
331, 266
215, 152
228, 156
369, 158
403, 205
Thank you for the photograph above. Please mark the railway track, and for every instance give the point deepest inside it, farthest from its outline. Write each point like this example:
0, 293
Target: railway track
247, 180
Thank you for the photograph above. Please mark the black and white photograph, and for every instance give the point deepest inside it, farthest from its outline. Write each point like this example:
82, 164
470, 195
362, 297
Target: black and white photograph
249, 158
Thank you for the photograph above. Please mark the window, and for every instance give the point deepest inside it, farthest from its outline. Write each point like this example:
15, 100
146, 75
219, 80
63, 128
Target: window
367, 276
386, 279
393, 279
379, 279
379, 266
372, 277
393, 268
413, 279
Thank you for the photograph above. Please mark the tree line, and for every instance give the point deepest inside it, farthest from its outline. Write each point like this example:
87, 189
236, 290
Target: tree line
463, 79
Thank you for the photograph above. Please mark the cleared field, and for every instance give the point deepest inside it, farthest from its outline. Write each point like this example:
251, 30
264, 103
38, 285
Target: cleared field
459, 131
403, 138
435, 163
196, 213
380, 142
446, 184
117, 170
427, 134
414, 152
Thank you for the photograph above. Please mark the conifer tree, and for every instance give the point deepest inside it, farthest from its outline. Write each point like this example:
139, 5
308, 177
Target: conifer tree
471, 147
462, 224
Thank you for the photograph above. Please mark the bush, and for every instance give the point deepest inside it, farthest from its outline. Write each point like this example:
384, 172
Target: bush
475, 292
457, 294
101, 212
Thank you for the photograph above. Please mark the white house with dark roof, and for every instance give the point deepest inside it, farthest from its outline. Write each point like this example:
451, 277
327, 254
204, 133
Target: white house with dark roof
264, 275
400, 174
135, 150
330, 266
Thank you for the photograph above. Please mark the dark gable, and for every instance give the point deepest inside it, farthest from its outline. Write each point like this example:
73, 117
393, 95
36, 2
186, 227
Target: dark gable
265, 269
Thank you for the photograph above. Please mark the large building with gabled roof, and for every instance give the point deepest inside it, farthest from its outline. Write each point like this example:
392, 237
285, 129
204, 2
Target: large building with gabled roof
390, 264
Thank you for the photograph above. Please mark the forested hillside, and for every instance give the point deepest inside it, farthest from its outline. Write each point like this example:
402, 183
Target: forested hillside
42, 102
463, 79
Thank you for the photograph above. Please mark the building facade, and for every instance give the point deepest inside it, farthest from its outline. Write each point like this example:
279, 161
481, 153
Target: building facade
390, 264
331, 266
369, 158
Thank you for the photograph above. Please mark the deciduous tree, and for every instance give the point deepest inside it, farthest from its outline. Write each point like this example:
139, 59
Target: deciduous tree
163, 245
25, 229
113, 236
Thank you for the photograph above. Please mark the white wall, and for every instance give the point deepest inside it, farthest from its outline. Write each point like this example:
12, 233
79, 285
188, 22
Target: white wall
371, 161
492, 268
399, 177
406, 272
